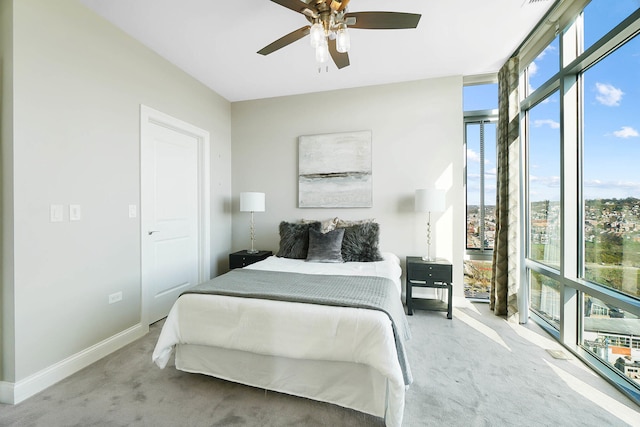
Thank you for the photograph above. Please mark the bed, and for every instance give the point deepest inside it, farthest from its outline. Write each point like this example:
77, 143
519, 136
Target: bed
348, 356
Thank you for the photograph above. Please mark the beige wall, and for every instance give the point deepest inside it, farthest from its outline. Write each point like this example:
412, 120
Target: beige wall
417, 142
78, 86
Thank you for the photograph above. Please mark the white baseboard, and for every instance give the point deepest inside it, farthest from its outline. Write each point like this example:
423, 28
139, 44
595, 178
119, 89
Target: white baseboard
14, 393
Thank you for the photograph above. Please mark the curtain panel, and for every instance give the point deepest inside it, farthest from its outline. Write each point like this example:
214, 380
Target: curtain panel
503, 297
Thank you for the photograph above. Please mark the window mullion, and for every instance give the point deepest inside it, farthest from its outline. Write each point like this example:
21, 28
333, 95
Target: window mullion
570, 202
482, 183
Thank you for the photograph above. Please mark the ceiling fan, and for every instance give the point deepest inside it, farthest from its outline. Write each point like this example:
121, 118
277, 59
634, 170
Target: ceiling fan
329, 21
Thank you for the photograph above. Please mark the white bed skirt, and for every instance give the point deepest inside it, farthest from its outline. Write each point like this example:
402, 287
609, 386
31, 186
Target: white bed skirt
350, 385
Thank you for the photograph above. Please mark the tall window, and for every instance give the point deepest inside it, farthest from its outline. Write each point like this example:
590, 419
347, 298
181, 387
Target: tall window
544, 212
480, 102
611, 181
581, 128
546, 64
611, 203
544, 181
481, 184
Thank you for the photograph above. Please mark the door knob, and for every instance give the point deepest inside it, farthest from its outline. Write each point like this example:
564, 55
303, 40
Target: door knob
153, 231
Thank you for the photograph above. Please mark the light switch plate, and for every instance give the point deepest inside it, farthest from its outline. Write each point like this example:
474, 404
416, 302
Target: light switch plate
133, 211
75, 213
55, 213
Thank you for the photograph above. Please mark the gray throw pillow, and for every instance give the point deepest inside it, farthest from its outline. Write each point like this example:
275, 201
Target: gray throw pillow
294, 239
360, 243
325, 247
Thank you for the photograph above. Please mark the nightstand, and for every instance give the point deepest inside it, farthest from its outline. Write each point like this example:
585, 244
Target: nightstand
429, 274
243, 258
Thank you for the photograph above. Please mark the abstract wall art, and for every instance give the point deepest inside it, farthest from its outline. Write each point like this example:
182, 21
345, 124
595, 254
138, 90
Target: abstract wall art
334, 170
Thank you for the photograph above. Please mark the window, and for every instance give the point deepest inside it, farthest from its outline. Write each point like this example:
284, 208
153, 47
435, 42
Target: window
481, 97
612, 335
546, 64
480, 140
544, 182
601, 16
581, 132
611, 182
545, 297
481, 184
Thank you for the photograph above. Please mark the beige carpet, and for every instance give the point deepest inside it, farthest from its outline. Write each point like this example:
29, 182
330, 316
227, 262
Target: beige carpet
474, 370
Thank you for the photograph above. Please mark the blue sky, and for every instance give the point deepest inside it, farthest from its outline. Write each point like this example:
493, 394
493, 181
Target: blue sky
611, 116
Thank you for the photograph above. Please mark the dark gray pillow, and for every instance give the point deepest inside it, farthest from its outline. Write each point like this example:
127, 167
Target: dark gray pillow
360, 243
294, 239
325, 247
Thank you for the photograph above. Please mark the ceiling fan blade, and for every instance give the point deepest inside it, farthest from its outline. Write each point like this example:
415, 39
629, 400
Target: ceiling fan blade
341, 59
285, 40
384, 20
295, 5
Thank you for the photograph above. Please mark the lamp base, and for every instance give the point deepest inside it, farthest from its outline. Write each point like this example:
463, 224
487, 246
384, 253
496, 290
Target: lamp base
252, 251
428, 258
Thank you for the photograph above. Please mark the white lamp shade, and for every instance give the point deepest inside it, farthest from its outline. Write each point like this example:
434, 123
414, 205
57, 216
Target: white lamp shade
430, 200
251, 202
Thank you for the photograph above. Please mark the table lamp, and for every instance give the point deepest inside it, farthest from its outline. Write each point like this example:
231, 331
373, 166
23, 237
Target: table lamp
429, 200
252, 202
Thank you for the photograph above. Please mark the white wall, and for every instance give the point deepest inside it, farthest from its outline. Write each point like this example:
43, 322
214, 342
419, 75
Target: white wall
417, 142
78, 86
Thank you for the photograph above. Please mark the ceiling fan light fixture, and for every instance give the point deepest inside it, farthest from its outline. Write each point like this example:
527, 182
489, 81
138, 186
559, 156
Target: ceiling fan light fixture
343, 40
322, 52
328, 33
316, 35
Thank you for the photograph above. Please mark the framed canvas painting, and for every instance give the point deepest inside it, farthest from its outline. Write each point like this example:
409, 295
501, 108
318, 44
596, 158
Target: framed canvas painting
334, 170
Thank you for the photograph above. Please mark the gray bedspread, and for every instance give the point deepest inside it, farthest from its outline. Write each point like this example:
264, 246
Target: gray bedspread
369, 292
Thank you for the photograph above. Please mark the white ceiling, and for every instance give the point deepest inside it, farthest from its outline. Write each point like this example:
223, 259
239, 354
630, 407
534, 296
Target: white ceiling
216, 42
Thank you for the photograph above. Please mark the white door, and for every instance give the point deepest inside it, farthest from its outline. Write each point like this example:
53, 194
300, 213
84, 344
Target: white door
174, 231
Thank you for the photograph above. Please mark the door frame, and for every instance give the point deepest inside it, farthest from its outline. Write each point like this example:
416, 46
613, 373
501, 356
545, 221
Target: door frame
149, 116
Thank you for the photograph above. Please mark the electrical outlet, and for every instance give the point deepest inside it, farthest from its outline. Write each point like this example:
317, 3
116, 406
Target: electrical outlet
115, 297
133, 211
75, 213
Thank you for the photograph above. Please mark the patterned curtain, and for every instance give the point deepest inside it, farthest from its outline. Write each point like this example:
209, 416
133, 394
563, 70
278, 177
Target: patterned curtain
504, 283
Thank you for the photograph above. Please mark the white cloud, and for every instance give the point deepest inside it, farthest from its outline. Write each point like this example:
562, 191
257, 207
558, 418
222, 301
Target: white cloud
546, 122
472, 156
544, 181
626, 132
546, 50
608, 95
595, 188
612, 184
533, 66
